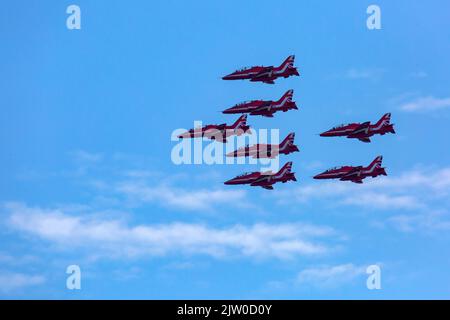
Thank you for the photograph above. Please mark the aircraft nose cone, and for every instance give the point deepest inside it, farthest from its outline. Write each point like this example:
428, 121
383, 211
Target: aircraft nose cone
232, 154
228, 111
318, 176
227, 77
229, 182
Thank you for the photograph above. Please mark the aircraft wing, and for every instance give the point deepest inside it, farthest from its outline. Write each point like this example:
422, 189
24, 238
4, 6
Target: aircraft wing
362, 129
221, 138
217, 135
261, 108
354, 174
262, 112
262, 181
265, 73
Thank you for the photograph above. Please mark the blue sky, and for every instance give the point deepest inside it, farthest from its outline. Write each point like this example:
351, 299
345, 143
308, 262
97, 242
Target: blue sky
87, 178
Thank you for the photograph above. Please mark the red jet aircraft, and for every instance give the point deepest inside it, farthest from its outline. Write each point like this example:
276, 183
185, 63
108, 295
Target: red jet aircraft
354, 174
264, 108
362, 131
265, 74
219, 132
265, 180
271, 151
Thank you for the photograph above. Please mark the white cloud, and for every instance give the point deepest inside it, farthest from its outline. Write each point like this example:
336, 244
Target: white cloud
181, 198
428, 103
405, 191
8, 259
383, 201
11, 282
374, 196
330, 276
422, 192
434, 220
86, 157
115, 238
367, 73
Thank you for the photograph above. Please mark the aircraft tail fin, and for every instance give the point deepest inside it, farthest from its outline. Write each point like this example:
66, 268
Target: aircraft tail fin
385, 120
288, 141
288, 63
240, 123
376, 163
286, 169
287, 97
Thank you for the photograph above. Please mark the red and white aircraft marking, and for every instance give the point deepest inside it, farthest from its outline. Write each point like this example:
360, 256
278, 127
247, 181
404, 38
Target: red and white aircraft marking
265, 180
265, 108
265, 74
354, 174
219, 132
362, 131
271, 151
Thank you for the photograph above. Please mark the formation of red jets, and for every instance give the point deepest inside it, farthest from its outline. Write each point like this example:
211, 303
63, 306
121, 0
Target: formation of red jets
361, 131
263, 108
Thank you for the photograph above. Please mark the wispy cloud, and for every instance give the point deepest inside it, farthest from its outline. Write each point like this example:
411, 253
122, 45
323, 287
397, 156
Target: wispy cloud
138, 187
433, 220
403, 191
421, 191
330, 276
11, 281
383, 201
181, 198
116, 238
364, 73
86, 157
11, 260
423, 104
